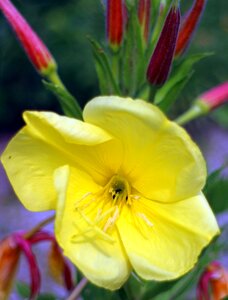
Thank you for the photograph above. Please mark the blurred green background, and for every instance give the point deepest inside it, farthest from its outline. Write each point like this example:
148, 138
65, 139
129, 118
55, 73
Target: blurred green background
64, 27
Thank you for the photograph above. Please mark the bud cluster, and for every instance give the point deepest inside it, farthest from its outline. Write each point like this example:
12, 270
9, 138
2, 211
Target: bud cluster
11, 250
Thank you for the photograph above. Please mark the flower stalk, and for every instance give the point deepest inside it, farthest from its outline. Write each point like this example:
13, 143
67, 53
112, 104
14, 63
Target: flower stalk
78, 289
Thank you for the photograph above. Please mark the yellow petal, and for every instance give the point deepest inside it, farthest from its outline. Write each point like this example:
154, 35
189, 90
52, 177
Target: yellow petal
48, 142
85, 145
99, 256
160, 160
163, 241
29, 164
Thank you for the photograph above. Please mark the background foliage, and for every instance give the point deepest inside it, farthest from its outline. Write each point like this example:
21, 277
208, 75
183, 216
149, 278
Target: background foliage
64, 27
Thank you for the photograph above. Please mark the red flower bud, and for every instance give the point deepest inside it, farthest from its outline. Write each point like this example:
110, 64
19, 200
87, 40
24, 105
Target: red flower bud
189, 25
115, 22
162, 57
214, 278
32, 44
214, 97
25, 247
144, 9
9, 257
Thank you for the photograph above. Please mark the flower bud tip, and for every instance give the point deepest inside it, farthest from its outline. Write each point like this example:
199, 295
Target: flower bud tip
115, 23
162, 57
35, 49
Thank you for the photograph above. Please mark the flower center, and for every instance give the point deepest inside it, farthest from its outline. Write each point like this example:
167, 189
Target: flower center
102, 209
119, 189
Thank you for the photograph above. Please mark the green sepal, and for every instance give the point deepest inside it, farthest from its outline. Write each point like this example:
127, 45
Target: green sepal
134, 64
67, 102
107, 82
168, 93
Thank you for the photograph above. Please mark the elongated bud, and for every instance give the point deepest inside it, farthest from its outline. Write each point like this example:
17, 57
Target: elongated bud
214, 282
25, 247
144, 10
162, 57
9, 258
189, 25
37, 52
214, 98
115, 23
58, 265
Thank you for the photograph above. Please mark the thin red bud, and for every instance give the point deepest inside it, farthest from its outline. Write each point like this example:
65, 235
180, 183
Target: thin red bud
115, 22
41, 236
25, 246
37, 52
67, 275
188, 26
9, 258
162, 57
44, 236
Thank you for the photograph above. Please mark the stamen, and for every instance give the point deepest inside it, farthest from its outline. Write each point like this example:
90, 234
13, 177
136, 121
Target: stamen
92, 228
102, 209
145, 219
112, 220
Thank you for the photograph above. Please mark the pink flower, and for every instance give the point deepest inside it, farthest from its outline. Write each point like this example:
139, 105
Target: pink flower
214, 97
32, 44
214, 279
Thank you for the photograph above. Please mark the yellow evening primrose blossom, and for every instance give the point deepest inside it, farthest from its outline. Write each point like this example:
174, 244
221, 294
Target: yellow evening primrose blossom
126, 186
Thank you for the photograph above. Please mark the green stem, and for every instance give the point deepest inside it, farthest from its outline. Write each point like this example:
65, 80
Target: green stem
152, 93
115, 65
72, 104
122, 294
197, 110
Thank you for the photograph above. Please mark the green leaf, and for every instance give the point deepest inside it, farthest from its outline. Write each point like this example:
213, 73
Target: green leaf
212, 179
66, 100
107, 82
23, 289
220, 116
216, 191
168, 93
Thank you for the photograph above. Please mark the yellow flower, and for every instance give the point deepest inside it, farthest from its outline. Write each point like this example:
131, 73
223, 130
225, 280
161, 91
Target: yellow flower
125, 184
